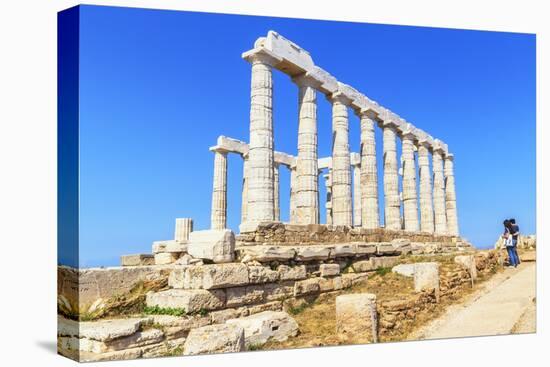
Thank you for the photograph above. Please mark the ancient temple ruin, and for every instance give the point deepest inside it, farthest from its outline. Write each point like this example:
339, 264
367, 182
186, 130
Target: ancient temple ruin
435, 202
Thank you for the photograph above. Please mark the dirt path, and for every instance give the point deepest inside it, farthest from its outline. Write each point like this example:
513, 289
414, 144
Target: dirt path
505, 304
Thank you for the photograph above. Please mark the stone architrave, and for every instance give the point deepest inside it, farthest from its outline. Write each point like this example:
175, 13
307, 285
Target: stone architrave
261, 206
392, 207
341, 172
369, 174
410, 199
244, 198
440, 215
357, 195
184, 226
219, 193
426, 202
307, 190
450, 196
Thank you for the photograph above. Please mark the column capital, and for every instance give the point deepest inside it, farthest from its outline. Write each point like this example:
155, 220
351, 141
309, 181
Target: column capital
339, 97
306, 80
261, 55
449, 157
367, 112
219, 149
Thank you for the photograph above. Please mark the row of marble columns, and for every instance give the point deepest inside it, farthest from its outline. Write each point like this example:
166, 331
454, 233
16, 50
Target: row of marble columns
261, 183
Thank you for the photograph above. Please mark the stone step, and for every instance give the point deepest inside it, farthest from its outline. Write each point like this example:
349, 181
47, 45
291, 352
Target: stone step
191, 300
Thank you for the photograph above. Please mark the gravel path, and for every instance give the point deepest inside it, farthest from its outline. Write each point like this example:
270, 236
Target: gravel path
505, 304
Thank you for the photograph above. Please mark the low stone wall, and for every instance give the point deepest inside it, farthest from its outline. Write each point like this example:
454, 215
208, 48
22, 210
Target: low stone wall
275, 233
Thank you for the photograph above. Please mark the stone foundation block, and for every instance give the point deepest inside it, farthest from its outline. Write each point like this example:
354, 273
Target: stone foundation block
467, 262
364, 248
279, 291
262, 274
330, 284
406, 270
190, 300
268, 253
329, 270
239, 296
297, 272
215, 245
309, 253
165, 258
308, 286
344, 250
223, 338
265, 326
356, 315
215, 276
426, 277
169, 246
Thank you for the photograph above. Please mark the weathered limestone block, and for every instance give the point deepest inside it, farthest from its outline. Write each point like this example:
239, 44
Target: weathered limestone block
402, 245
239, 296
308, 286
184, 226
265, 326
165, 258
262, 274
385, 248
426, 277
362, 266
169, 246
211, 276
137, 260
278, 291
222, 338
329, 270
179, 325
469, 263
331, 284
309, 253
351, 279
363, 248
296, 272
221, 316
139, 339
356, 315
254, 309
215, 245
268, 253
193, 300
344, 250
104, 330
406, 270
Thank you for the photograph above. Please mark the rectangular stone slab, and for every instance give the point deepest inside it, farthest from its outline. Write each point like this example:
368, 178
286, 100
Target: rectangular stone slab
191, 301
215, 276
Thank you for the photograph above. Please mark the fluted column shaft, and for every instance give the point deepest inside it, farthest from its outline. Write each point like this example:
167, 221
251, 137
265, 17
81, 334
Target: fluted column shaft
410, 199
369, 174
392, 202
184, 226
219, 194
307, 179
357, 195
276, 192
244, 192
293, 195
341, 173
426, 202
328, 205
450, 196
439, 194
261, 197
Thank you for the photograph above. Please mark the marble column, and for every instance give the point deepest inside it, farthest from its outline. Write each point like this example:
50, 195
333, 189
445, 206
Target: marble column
184, 226
440, 216
450, 196
307, 178
357, 195
293, 195
410, 199
244, 193
341, 172
328, 204
426, 202
261, 196
392, 201
369, 174
219, 193
276, 192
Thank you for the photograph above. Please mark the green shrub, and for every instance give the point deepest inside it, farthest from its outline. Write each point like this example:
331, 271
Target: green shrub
156, 310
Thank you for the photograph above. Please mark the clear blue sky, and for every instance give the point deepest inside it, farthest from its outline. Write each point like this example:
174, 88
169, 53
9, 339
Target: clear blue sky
158, 87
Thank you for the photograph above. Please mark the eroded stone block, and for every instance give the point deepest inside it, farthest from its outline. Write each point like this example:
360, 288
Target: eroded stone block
356, 315
137, 260
215, 276
222, 338
265, 326
215, 245
191, 300
328, 270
